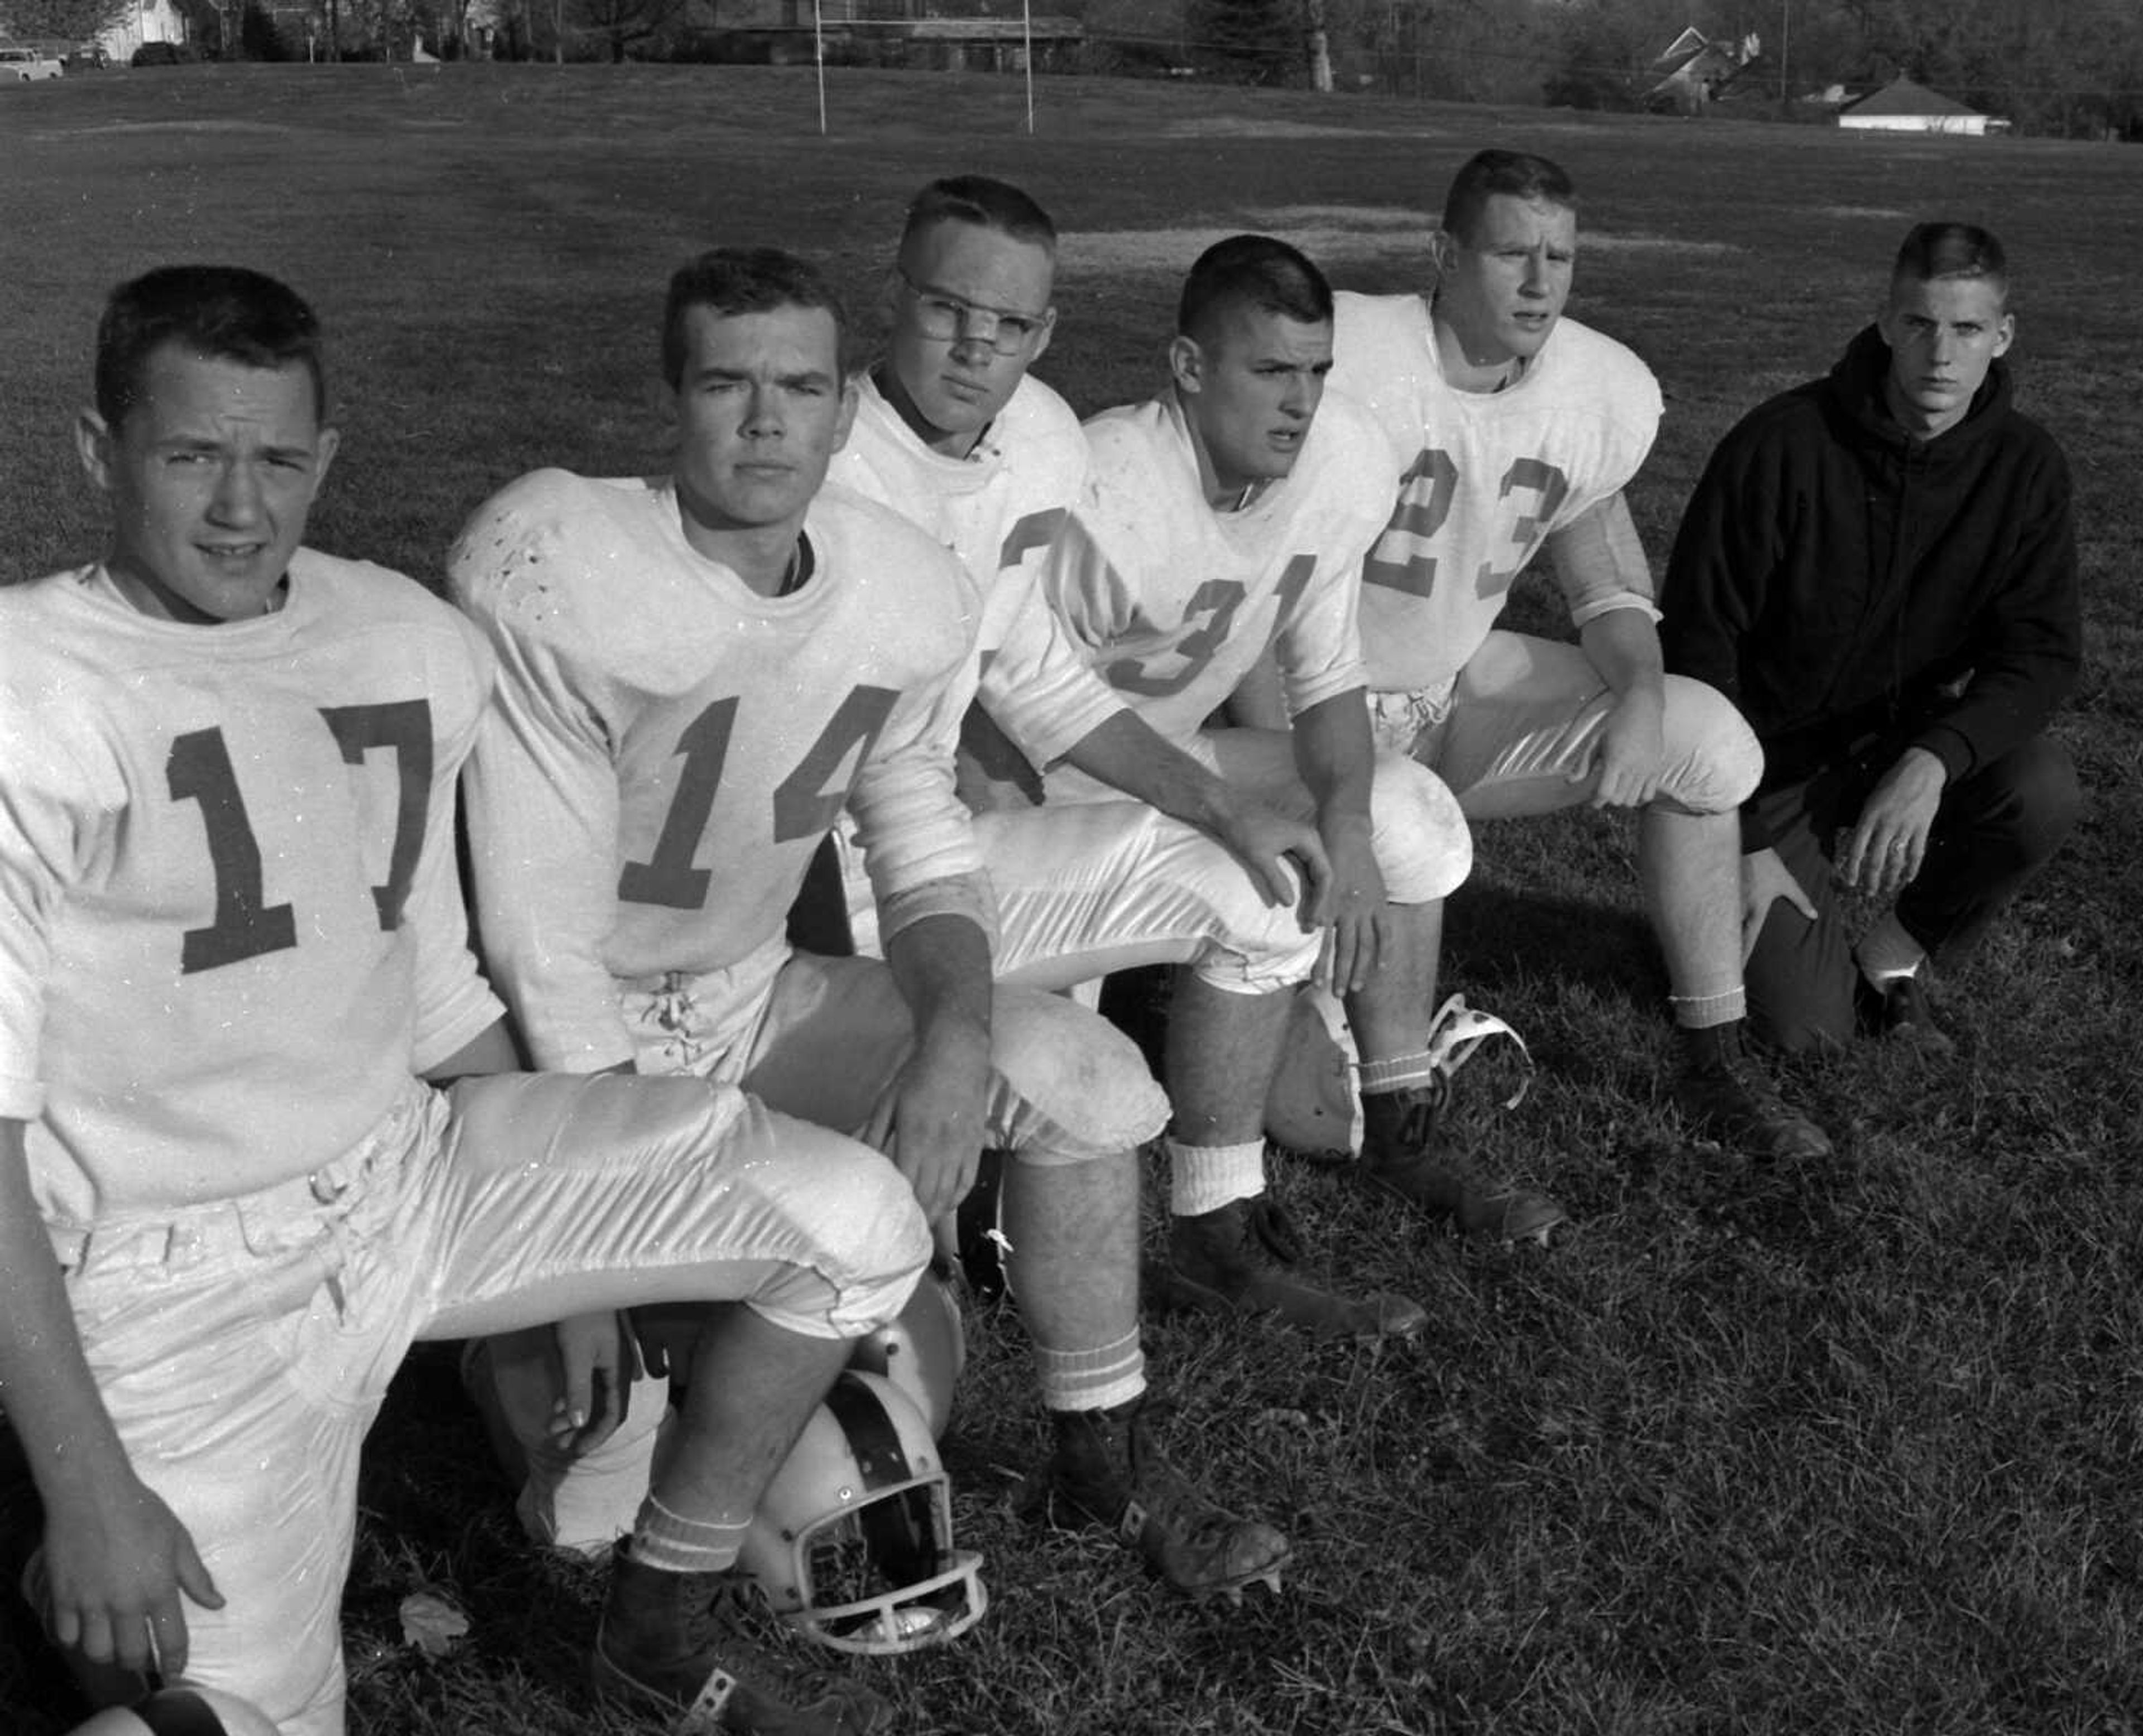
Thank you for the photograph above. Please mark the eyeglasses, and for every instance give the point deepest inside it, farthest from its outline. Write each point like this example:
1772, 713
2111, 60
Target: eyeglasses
941, 316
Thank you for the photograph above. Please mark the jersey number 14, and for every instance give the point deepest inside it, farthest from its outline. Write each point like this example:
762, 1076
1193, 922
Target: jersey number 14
805, 802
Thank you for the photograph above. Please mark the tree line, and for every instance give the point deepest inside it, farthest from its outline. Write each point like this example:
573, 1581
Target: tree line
2068, 66
2061, 66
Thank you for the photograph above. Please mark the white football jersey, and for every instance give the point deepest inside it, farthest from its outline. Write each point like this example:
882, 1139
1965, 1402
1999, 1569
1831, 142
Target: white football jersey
998, 509
1483, 478
668, 746
1174, 601
229, 924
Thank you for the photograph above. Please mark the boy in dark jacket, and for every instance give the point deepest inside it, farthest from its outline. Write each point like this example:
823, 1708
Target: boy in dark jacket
1878, 568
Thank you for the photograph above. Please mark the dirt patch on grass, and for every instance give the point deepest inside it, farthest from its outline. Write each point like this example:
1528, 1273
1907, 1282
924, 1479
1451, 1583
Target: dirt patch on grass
1239, 126
1607, 241
1883, 211
110, 126
1173, 249
1323, 232
1343, 216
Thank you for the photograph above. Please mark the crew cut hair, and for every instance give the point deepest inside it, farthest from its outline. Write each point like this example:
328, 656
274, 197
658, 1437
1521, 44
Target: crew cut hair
983, 201
1952, 250
1518, 174
224, 311
1257, 271
733, 280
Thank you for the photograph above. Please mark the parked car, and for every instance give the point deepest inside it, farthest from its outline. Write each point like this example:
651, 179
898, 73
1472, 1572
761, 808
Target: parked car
27, 65
161, 54
88, 57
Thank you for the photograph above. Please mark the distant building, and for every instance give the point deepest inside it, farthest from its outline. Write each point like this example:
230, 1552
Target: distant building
144, 21
1902, 106
139, 21
992, 36
984, 45
1697, 71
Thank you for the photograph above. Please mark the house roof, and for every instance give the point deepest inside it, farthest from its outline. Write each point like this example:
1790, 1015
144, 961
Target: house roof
1902, 96
1681, 47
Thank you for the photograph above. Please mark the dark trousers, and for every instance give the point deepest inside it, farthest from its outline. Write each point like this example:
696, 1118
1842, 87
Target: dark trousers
1994, 829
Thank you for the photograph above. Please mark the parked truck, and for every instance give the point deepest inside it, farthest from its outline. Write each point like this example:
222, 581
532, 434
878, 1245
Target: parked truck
26, 66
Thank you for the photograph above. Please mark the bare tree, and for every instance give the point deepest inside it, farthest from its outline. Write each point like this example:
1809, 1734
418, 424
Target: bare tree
622, 23
63, 21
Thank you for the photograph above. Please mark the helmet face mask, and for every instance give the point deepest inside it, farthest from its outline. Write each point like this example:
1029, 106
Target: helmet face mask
852, 1545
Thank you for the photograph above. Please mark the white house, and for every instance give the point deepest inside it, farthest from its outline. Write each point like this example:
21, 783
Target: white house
1698, 71
1902, 107
142, 21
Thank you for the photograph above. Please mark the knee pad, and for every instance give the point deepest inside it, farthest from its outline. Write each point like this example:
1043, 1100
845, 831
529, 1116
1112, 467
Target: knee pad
1066, 1086
1714, 760
877, 1239
1424, 848
1264, 948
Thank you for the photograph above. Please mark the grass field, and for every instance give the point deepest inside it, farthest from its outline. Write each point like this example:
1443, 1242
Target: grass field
1856, 1447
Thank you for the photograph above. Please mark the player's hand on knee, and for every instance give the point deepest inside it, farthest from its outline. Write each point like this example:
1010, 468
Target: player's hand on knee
598, 1357
115, 1579
1357, 919
1888, 842
1313, 882
1765, 879
1265, 841
930, 1124
1352, 946
1630, 758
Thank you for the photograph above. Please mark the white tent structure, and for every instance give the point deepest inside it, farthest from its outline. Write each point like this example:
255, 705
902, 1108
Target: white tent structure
1903, 106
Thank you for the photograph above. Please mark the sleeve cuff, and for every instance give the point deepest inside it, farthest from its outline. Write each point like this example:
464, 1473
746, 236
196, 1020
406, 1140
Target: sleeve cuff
1608, 604
961, 895
1308, 695
1949, 746
449, 1037
1065, 730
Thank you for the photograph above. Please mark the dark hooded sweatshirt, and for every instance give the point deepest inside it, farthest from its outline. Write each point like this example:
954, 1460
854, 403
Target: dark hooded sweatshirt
1855, 590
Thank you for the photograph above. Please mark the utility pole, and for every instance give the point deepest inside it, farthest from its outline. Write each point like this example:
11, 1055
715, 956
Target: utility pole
1785, 43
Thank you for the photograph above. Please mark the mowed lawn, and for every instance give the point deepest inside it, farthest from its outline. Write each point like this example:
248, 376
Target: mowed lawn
1854, 1447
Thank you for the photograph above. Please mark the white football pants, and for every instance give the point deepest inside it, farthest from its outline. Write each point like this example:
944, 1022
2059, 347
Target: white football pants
243, 1347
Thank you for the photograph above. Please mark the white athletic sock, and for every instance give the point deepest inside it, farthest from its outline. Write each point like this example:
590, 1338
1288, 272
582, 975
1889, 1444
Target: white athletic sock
1091, 1380
1887, 952
1396, 1072
1700, 1013
1204, 1177
664, 1538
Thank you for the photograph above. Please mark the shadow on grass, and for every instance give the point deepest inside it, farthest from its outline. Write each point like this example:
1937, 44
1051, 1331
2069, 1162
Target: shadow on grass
436, 1514
1501, 938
